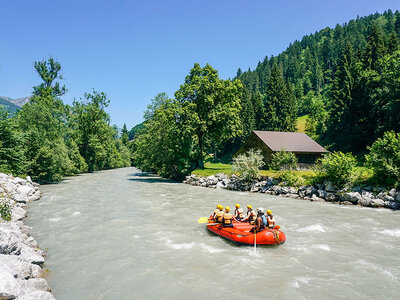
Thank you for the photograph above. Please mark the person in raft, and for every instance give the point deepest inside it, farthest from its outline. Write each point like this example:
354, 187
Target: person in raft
260, 222
270, 219
219, 214
227, 218
216, 210
239, 214
251, 215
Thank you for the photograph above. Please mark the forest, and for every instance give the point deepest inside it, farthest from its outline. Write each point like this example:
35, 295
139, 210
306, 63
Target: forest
47, 139
344, 81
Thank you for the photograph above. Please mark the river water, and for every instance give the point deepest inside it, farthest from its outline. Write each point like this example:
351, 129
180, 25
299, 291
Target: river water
121, 234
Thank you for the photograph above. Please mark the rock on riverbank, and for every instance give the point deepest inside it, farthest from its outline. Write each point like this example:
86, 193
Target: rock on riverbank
21, 260
324, 192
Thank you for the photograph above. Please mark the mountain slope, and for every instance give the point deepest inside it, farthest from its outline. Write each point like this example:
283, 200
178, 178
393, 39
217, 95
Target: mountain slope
8, 106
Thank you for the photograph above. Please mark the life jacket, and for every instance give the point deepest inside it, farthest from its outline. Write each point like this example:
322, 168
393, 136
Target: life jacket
215, 212
219, 216
241, 213
228, 218
252, 216
264, 220
270, 221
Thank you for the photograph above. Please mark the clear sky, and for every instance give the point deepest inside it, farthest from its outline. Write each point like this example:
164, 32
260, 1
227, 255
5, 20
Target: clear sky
133, 50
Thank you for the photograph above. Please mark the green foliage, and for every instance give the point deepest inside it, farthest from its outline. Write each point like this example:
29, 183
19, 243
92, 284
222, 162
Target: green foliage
5, 208
384, 158
12, 147
135, 130
337, 167
248, 164
283, 160
164, 145
49, 71
291, 178
210, 109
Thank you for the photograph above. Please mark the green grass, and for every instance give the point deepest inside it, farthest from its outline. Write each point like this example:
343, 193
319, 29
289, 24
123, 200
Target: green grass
211, 168
301, 123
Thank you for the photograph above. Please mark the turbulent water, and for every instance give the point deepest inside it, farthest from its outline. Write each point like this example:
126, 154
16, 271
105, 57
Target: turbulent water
121, 234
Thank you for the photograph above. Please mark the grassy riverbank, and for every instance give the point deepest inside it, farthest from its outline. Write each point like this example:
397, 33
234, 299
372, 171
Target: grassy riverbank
362, 175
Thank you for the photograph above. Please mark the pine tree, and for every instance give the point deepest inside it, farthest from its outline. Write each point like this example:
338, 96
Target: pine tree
375, 47
393, 43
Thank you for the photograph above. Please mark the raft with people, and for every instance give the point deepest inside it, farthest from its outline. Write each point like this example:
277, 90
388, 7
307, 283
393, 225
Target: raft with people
245, 230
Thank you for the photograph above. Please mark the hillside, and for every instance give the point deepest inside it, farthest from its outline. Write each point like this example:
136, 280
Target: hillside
345, 78
10, 107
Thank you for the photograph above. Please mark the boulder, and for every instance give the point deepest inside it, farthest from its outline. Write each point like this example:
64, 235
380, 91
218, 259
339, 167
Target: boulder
302, 194
321, 194
19, 267
320, 186
392, 193
9, 286
392, 205
346, 203
366, 198
293, 190
212, 180
311, 191
352, 197
330, 197
36, 295
220, 185
285, 190
381, 195
397, 197
18, 213
316, 199
329, 186
22, 193
37, 271
10, 238
388, 198
377, 203
36, 284
31, 255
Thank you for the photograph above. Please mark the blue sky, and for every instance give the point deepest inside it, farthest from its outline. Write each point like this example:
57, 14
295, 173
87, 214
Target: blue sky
133, 50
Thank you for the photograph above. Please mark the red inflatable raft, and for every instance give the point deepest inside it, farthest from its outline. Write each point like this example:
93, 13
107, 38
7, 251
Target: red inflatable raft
240, 234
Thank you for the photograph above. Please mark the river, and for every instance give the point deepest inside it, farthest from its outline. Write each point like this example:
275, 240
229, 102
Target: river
122, 234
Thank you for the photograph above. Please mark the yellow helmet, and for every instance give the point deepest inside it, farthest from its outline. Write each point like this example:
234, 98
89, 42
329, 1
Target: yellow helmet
269, 212
219, 206
249, 206
237, 205
227, 209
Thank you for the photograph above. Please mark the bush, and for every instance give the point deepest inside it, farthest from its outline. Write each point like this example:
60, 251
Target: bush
5, 209
248, 164
337, 167
384, 158
283, 160
290, 178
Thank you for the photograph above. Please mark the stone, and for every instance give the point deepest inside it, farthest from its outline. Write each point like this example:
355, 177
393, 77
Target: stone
9, 286
226, 181
295, 196
316, 199
18, 266
285, 190
37, 271
18, 213
311, 191
31, 255
22, 193
212, 180
381, 195
352, 197
303, 188
321, 194
388, 198
320, 186
346, 203
220, 185
377, 203
397, 197
302, 194
36, 295
38, 284
29, 179
329, 186
330, 197
10, 238
392, 193
393, 205
293, 190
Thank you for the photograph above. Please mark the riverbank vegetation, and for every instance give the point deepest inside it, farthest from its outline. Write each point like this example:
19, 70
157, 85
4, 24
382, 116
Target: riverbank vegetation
48, 139
341, 86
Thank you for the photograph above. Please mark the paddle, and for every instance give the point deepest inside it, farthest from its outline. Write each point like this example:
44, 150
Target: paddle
202, 220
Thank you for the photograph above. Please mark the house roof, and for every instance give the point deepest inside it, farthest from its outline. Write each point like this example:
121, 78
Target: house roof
290, 141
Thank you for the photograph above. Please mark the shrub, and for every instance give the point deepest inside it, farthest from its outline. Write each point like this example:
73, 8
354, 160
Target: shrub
290, 178
248, 164
5, 209
283, 160
337, 167
384, 157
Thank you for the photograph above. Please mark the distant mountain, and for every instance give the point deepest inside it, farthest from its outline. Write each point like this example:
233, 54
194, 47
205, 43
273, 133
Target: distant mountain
19, 101
12, 105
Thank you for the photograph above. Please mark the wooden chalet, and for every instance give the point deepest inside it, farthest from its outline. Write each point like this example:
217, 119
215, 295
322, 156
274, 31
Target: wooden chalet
306, 149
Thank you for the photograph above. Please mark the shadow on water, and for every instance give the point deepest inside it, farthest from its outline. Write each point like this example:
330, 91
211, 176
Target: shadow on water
148, 177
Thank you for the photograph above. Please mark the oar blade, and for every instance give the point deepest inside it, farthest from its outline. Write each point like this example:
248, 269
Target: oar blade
202, 220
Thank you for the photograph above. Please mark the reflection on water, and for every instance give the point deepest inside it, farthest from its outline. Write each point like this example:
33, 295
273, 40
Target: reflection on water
122, 234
